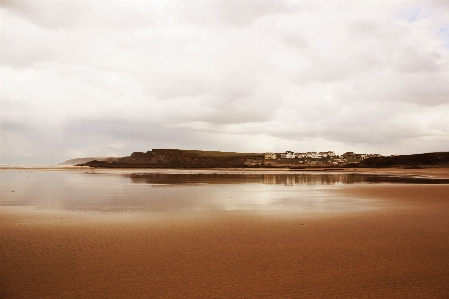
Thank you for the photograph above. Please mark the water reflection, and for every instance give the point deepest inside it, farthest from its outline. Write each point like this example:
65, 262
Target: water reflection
283, 179
112, 191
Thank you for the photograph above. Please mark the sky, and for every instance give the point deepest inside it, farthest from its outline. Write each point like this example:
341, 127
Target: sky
97, 78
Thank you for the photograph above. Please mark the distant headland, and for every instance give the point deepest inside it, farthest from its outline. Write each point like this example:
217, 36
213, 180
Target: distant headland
176, 158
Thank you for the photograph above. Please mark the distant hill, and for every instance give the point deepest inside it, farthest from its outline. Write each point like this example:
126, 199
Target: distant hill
426, 159
175, 158
76, 161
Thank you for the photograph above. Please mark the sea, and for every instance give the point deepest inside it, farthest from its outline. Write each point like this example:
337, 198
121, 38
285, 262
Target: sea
167, 190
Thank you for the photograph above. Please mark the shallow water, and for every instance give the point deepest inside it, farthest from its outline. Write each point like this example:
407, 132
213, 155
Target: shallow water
169, 191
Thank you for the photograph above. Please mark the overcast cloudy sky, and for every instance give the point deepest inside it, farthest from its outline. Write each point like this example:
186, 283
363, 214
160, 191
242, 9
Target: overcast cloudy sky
94, 78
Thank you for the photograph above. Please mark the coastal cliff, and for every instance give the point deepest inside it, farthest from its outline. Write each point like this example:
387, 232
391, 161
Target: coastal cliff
175, 158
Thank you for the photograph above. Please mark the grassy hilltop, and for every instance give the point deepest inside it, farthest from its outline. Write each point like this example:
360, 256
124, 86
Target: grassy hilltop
426, 159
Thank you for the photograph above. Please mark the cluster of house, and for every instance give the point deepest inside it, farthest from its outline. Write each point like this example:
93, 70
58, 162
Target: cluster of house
318, 155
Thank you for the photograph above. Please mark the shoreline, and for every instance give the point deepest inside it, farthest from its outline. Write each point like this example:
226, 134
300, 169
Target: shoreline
432, 172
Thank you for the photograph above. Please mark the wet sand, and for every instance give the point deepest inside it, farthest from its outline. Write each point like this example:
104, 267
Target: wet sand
397, 251
435, 172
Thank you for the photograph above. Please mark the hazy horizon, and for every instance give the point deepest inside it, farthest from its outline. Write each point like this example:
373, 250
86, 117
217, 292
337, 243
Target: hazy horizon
94, 79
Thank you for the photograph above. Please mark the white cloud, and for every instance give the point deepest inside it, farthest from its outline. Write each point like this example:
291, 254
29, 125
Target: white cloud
115, 77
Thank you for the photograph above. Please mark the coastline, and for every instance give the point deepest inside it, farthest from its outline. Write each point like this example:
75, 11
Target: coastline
432, 172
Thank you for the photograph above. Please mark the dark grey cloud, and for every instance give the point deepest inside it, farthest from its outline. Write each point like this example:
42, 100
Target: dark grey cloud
342, 66
183, 88
35, 45
421, 89
412, 60
215, 15
14, 56
349, 124
295, 40
46, 14
14, 126
233, 99
231, 87
121, 128
366, 29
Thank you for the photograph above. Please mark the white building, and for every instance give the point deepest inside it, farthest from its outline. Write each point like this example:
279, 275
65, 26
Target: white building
270, 156
288, 155
313, 155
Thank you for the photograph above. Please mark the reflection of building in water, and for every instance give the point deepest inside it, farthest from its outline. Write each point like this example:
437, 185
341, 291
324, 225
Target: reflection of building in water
283, 179
290, 180
271, 179
312, 179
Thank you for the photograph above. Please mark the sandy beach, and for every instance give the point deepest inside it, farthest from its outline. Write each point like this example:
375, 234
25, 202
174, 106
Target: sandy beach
397, 251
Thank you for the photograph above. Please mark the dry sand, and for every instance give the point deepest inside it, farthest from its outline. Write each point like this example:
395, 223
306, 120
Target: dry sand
398, 251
